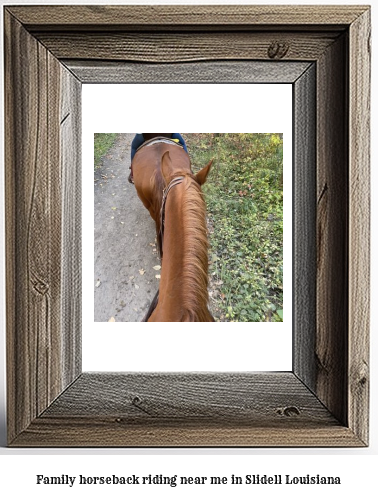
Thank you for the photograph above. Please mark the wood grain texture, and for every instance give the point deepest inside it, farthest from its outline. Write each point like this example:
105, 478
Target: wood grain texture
186, 47
70, 161
33, 226
230, 409
304, 241
332, 230
359, 225
184, 16
34, 239
200, 72
99, 432
243, 397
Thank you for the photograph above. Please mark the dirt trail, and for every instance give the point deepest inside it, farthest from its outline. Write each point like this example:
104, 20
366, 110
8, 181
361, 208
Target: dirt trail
124, 240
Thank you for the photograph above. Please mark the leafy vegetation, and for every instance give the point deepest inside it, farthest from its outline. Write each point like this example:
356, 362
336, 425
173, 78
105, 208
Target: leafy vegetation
102, 144
244, 198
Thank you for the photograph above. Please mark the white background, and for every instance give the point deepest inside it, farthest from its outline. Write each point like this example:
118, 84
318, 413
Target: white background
357, 467
207, 347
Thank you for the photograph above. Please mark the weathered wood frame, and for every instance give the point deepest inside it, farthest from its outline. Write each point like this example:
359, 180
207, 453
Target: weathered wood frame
49, 53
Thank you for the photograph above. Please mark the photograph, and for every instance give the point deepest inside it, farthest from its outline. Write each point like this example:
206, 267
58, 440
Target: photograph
188, 227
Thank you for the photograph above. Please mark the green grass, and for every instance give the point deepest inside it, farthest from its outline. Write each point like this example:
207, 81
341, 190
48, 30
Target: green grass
102, 144
244, 199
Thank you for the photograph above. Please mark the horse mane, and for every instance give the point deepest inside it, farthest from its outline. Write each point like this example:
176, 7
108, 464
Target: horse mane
195, 265
195, 260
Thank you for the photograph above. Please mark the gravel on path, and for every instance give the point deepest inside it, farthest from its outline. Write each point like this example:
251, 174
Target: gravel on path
127, 265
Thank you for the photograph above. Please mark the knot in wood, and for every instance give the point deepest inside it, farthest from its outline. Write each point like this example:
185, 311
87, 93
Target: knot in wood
140, 404
278, 50
136, 400
41, 287
288, 411
361, 375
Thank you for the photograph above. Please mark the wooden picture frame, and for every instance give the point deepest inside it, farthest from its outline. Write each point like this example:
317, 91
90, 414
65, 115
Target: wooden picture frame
324, 52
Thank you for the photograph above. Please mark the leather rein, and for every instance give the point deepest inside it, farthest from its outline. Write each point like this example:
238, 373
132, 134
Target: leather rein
174, 182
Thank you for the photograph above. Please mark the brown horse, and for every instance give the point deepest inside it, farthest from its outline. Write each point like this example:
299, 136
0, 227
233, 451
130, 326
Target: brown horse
168, 189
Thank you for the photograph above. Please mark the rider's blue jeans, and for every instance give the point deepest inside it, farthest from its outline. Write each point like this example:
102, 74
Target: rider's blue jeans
139, 140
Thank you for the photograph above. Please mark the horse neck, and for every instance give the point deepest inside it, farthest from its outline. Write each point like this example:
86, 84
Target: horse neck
183, 287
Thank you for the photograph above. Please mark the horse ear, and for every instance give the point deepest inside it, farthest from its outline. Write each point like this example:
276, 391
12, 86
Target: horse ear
166, 165
201, 176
